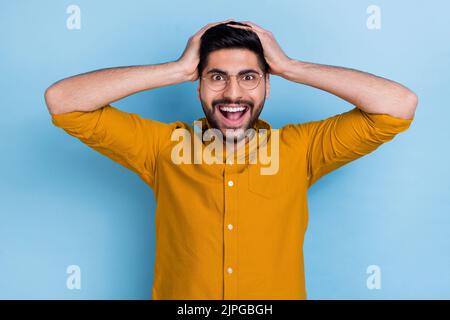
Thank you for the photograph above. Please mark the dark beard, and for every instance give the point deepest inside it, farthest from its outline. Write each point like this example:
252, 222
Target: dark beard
209, 114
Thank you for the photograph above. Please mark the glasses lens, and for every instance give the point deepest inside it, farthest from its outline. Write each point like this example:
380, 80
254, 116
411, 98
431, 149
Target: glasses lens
216, 81
249, 80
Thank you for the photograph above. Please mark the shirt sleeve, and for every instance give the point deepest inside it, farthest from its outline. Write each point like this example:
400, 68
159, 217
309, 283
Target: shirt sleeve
126, 138
340, 139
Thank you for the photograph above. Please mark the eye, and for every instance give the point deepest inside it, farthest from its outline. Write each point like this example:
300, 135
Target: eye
249, 77
217, 77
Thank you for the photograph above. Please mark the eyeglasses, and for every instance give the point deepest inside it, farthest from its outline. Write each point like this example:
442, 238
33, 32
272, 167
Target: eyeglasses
219, 81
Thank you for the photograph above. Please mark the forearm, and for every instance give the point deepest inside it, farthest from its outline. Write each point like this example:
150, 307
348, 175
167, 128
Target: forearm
368, 92
95, 89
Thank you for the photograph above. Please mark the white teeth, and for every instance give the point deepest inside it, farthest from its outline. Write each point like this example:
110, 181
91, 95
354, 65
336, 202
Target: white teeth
232, 109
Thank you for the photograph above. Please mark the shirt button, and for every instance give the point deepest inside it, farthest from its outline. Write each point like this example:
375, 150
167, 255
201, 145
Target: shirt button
230, 226
230, 183
230, 270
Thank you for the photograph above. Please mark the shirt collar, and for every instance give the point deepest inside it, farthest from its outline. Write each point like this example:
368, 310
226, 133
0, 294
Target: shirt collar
259, 124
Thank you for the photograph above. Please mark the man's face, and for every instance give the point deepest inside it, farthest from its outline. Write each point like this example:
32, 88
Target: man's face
233, 61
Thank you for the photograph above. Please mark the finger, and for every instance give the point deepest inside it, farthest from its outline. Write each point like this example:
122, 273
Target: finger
250, 26
238, 26
245, 28
210, 25
220, 22
224, 21
255, 26
241, 27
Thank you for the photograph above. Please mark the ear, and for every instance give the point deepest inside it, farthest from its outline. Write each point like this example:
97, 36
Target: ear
267, 85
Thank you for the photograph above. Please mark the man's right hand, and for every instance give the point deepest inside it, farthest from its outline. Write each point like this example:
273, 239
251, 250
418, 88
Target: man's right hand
191, 55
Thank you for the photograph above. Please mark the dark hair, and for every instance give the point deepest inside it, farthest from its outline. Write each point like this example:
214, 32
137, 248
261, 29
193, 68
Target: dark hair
223, 37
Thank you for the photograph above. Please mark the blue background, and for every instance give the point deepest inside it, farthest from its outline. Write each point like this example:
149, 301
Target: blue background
64, 204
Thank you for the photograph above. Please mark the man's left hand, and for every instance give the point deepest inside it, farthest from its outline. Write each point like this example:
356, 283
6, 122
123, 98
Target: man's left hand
278, 61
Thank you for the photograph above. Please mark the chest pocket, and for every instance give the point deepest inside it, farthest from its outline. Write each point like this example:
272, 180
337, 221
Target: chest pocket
267, 186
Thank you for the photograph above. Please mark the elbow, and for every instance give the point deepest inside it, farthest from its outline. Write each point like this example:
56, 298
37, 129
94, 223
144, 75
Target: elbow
411, 103
413, 100
407, 106
53, 98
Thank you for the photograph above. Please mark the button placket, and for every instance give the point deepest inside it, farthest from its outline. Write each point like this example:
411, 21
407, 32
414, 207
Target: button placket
230, 186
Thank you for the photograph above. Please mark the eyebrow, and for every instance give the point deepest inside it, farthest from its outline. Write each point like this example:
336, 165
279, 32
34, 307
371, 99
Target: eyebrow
216, 70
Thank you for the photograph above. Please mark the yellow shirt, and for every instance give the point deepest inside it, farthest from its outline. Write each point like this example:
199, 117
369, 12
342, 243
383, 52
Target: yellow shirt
225, 231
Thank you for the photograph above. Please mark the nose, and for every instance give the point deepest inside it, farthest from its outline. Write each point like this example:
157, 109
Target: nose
233, 91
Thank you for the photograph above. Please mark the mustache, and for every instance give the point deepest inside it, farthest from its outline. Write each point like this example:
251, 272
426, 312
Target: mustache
228, 101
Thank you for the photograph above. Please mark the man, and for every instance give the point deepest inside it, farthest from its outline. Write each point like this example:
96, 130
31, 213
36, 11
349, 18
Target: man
225, 230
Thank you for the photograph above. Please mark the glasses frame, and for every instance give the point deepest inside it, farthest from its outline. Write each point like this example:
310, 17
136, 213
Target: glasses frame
238, 80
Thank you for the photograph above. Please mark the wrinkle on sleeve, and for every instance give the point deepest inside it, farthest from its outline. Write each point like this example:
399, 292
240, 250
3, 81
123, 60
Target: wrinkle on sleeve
126, 138
340, 139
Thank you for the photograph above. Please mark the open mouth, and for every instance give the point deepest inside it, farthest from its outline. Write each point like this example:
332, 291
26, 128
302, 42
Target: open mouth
233, 114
